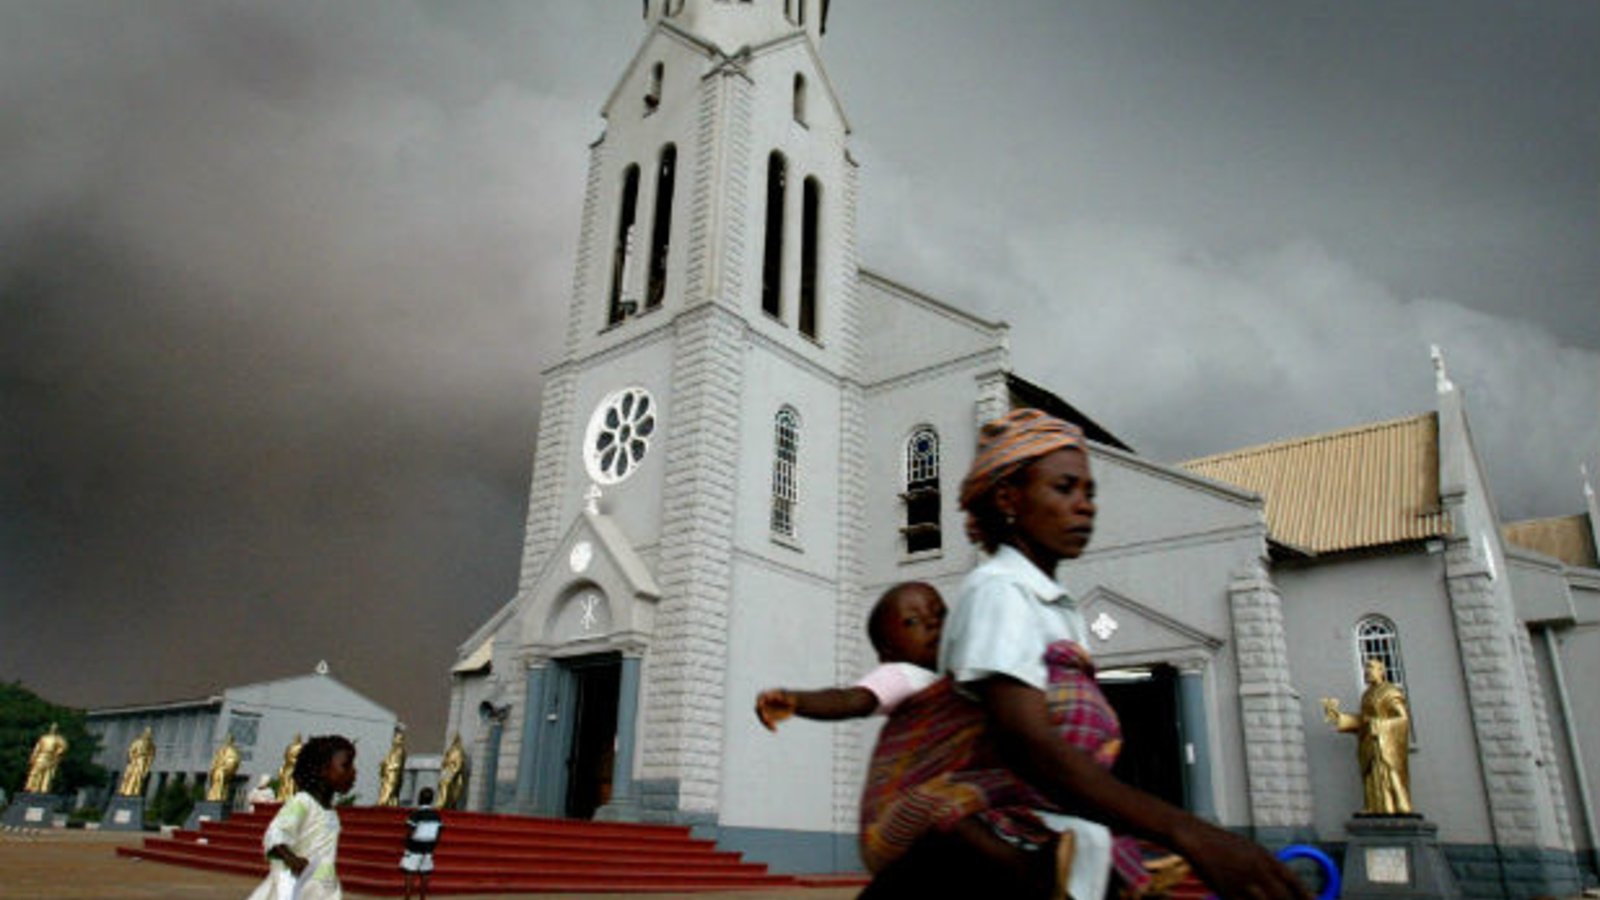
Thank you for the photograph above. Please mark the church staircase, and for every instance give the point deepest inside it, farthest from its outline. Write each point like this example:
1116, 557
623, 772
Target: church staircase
486, 853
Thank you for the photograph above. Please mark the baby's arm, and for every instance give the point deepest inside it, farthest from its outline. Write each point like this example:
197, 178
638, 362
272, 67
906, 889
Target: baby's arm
777, 704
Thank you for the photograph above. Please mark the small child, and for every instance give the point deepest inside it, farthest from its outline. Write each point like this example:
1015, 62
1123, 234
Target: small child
424, 824
905, 626
303, 840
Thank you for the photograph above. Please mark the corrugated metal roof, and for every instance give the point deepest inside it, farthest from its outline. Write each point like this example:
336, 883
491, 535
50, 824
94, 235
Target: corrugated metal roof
1357, 487
1567, 538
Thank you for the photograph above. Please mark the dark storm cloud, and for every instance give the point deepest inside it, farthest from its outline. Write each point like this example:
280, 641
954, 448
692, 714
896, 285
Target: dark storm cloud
277, 278
277, 283
1246, 223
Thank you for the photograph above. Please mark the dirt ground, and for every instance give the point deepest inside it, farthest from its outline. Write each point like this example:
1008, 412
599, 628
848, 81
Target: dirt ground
83, 865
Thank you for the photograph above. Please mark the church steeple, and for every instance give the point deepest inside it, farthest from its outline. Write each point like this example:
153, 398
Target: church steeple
731, 24
723, 179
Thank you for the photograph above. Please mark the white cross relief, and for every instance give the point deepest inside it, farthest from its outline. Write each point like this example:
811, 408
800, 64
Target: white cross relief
590, 620
591, 500
1104, 626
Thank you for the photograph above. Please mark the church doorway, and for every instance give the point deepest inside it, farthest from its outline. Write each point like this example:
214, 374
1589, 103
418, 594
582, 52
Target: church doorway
1146, 701
591, 685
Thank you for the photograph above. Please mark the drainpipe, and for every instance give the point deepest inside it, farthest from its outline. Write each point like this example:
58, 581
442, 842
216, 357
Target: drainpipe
1573, 750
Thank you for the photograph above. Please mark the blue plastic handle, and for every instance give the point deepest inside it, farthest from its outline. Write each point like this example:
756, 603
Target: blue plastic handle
1330, 872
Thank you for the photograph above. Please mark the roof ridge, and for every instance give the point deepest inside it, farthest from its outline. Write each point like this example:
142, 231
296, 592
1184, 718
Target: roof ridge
1287, 443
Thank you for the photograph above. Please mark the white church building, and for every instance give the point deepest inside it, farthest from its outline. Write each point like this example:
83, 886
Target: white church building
749, 436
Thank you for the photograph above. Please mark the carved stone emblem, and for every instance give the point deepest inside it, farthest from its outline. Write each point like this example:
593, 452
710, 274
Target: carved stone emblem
1104, 626
578, 559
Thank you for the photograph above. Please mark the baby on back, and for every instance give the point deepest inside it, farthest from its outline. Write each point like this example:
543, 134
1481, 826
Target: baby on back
904, 628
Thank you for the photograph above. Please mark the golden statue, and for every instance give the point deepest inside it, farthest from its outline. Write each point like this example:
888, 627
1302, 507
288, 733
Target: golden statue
45, 760
1384, 733
391, 770
224, 763
452, 775
141, 753
286, 786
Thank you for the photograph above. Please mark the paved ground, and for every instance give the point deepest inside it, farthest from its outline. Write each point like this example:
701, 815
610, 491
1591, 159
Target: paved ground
83, 865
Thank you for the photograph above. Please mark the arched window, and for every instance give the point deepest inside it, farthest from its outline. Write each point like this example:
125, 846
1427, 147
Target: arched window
652, 97
661, 227
800, 12
785, 457
922, 491
799, 98
622, 253
1377, 638
772, 251
809, 250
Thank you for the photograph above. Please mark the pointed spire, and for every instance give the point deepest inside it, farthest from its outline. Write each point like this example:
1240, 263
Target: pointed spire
742, 24
1441, 378
1592, 506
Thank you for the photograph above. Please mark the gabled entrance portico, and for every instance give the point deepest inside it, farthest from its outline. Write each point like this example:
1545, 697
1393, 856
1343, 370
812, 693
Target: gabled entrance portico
582, 642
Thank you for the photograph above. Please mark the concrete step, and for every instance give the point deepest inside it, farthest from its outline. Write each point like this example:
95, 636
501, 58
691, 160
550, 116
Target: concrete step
483, 853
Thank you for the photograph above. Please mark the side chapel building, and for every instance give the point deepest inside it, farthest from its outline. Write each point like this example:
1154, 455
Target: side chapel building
749, 436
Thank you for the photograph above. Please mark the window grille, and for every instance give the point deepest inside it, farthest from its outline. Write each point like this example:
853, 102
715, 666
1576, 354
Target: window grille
1376, 637
244, 729
922, 491
785, 491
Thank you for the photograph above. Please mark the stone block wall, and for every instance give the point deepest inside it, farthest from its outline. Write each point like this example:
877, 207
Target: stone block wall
1277, 775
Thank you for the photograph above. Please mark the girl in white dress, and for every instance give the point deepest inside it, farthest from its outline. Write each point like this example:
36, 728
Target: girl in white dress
303, 840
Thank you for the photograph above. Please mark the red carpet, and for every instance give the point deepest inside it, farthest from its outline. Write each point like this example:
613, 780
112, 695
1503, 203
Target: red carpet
484, 853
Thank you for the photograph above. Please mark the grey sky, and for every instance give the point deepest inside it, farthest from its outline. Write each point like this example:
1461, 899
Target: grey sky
277, 278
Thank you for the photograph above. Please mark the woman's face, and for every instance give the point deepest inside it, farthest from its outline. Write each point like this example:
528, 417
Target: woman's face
1053, 508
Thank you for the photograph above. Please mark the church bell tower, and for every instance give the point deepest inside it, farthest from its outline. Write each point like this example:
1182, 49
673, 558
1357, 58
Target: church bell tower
694, 515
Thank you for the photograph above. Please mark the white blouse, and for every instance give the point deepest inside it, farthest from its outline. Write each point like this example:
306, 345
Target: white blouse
1006, 614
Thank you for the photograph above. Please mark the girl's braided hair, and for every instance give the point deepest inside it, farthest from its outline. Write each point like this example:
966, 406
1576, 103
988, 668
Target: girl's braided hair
311, 765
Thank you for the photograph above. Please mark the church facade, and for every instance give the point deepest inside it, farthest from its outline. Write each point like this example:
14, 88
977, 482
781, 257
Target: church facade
749, 436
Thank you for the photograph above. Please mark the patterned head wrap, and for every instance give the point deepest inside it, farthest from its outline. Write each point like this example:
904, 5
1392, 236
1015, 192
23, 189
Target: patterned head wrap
1010, 442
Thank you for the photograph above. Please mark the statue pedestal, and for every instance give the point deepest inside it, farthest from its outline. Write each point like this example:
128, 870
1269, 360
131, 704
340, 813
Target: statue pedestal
1394, 857
206, 811
124, 814
33, 810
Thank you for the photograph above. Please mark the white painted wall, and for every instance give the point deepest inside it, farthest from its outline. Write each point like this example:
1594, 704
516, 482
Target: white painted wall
1322, 604
780, 635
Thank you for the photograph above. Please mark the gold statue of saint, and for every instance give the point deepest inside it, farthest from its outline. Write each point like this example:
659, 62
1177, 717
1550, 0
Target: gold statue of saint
224, 763
391, 770
1383, 730
286, 786
452, 775
141, 753
45, 760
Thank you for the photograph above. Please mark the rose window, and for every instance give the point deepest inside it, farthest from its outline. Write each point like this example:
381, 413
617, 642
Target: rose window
619, 435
